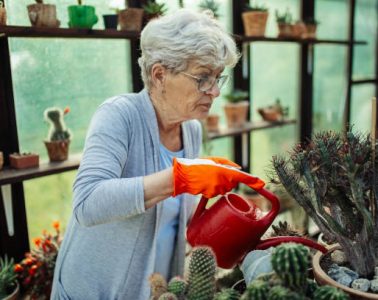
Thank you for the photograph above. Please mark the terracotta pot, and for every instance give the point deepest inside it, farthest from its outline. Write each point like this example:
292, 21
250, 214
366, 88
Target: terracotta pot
310, 32
298, 29
15, 295
131, 19
1, 160
43, 15
236, 114
212, 123
23, 161
322, 278
3, 15
285, 30
57, 150
270, 114
254, 23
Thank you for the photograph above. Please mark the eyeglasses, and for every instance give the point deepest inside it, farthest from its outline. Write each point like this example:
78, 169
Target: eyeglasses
206, 83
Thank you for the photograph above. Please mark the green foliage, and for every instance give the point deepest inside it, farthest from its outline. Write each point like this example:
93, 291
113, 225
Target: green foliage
8, 277
333, 177
210, 5
39, 1
290, 261
177, 286
154, 8
284, 18
168, 296
311, 21
256, 290
58, 131
236, 96
202, 267
256, 7
227, 294
329, 293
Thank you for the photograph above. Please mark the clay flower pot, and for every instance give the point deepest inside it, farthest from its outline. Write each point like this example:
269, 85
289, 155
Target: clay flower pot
15, 295
236, 114
212, 123
3, 15
57, 150
23, 160
310, 32
322, 278
43, 15
285, 30
131, 19
254, 22
270, 114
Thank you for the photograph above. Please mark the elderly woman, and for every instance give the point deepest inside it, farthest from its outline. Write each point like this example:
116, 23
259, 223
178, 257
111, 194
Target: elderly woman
121, 230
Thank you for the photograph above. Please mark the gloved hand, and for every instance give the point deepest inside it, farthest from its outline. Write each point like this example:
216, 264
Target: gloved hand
209, 177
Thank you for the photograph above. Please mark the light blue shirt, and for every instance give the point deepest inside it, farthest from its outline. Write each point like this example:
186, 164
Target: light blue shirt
169, 220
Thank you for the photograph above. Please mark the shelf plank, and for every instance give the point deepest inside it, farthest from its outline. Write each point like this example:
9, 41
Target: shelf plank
9, 175
249, 39
363, 81
46, 32
250, 126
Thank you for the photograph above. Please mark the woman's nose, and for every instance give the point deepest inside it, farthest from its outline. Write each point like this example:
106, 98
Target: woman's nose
214, 91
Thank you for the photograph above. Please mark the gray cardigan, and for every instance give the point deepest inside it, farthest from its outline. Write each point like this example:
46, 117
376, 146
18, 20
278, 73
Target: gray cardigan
108, 251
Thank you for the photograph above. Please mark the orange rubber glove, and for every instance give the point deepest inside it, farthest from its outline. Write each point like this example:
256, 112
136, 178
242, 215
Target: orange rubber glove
209, 178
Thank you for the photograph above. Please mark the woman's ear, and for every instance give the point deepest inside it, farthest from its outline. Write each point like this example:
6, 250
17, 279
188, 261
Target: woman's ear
158, 74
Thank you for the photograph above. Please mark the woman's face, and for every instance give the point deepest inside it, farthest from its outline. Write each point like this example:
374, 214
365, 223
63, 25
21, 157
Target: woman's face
182, 92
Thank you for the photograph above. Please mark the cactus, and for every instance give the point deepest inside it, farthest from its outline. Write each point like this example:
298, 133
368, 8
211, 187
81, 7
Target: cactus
311, 288
329, 293
256, 290
282, 293
168, 296
177, 286
290, 261
58, 131
227, 294
202, 268
158, 285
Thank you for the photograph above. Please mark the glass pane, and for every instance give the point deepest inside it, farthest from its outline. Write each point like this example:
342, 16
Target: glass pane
361, 107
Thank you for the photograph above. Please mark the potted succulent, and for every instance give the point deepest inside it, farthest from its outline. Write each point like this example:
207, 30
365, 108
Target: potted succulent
111, 20
236, 109
334, 178
23, 160
274, 113
153, 10
254, 20
81, 16
9, 288
211, 5
3, 14
131, 18
311, 26
212, 123
58, 139
43, 15
284, 22
35, 272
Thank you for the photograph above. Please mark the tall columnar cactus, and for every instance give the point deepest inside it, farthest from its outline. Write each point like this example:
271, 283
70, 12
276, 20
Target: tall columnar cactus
290, 262
329, 293
227, 294
58, 130
334, 178
177, 286
201, 279
256, 290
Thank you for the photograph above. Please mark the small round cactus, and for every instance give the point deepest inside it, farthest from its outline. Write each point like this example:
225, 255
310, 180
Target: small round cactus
329, 293
177, 286
256, 290
290, 261
281, 293
158, 285
202, 266
227, 294
168, 296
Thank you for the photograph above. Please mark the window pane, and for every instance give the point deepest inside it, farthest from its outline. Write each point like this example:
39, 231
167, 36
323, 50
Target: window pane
361, 108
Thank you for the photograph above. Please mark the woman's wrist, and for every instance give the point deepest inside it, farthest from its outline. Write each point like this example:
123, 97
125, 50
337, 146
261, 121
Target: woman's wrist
157, 187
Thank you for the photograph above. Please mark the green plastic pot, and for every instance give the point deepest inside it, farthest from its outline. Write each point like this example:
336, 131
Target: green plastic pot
81, 16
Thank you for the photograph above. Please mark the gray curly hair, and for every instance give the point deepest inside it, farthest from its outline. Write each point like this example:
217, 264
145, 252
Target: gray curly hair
185, 36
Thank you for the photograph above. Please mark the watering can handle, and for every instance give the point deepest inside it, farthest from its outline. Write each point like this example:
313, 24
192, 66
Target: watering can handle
269, 217
200, 208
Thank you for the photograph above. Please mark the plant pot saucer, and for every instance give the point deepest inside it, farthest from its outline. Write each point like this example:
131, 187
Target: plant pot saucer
322, 278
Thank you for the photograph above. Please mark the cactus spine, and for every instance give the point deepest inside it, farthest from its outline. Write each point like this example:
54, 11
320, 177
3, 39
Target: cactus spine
177, 286
202, 268
257, 290
58, 130
227, 294
158, 285
168, 296
329, 293
290, 261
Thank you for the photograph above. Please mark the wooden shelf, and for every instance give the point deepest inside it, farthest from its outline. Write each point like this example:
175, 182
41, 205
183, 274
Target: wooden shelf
251, 126
8, 175
363, 81
248, 39
45, 32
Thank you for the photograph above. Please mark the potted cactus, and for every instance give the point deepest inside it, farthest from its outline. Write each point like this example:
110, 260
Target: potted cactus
285, 23
43, 15
131, 18
211, 5
254, 20
334, 178
9, 288
236, 108
3, 14
153, 10
23, 160
274, 113
311, 26
58, 139
111, 20
81, 16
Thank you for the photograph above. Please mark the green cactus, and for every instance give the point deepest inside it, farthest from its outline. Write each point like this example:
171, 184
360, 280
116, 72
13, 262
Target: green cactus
168, 296
58, 130
329, 293
311, 288
202, 268
256, 290
281, 293
177, 286
227, 294
290, 261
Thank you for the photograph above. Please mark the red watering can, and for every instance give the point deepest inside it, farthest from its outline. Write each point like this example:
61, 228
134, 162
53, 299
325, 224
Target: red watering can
232, 227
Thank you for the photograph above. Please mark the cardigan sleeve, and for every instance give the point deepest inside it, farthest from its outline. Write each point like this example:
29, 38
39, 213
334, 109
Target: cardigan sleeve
100, 194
